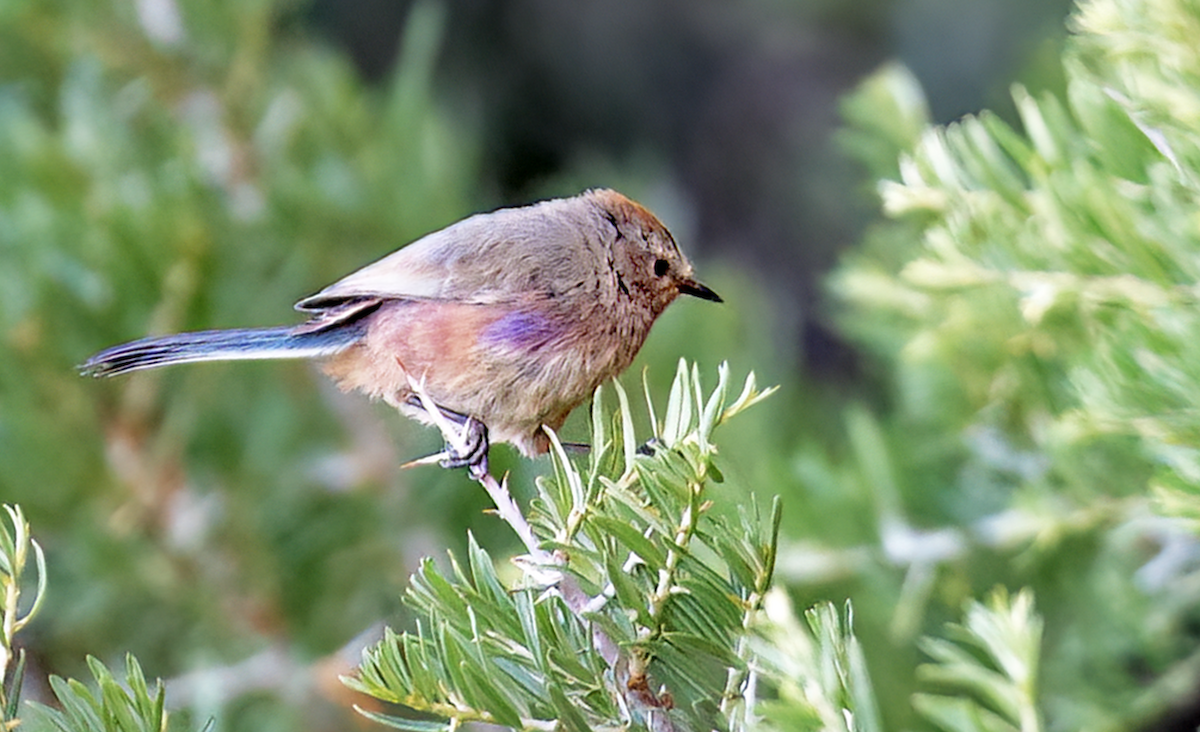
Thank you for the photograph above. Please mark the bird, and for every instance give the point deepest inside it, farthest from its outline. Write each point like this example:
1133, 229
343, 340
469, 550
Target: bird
502, 323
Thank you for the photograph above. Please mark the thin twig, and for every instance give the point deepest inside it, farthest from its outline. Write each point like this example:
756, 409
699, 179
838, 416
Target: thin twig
634, 695
510, 513
578, 602
506, 507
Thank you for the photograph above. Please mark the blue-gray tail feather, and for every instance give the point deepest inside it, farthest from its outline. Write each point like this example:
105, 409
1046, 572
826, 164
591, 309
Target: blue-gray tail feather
221, 345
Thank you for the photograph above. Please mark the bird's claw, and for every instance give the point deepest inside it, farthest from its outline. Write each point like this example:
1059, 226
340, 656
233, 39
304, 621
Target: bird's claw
466, 447
470, 450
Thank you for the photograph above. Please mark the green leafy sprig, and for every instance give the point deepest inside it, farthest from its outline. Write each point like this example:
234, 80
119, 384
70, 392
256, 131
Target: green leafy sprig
640, 618
990, 663
16, 547
111, 707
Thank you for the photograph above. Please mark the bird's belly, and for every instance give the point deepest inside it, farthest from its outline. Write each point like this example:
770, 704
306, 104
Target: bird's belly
513, 369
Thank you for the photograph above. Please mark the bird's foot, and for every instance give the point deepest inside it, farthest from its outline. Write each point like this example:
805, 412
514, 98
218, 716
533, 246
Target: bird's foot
469, 450
466, 438
649, 447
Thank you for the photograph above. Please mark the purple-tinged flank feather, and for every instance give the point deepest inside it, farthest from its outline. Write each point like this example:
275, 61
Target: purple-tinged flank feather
521, 329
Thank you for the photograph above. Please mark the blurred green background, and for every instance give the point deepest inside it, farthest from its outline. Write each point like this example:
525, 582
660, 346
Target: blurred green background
183, 164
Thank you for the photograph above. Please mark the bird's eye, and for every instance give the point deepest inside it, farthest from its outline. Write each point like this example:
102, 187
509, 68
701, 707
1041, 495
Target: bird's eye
660, 267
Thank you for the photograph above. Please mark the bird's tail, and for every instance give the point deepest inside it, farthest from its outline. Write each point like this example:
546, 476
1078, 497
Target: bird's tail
221, 345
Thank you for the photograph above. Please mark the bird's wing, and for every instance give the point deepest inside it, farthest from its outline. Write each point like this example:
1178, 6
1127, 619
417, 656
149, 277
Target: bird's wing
329, 316
418, 271
487, 258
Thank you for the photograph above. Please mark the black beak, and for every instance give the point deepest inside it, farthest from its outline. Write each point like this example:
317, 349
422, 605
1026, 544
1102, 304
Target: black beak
695, 289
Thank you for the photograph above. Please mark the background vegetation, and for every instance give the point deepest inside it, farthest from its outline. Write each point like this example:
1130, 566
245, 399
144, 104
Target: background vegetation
998, 388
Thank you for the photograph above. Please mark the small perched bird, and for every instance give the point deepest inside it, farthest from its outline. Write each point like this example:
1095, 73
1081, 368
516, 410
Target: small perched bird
508, 320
